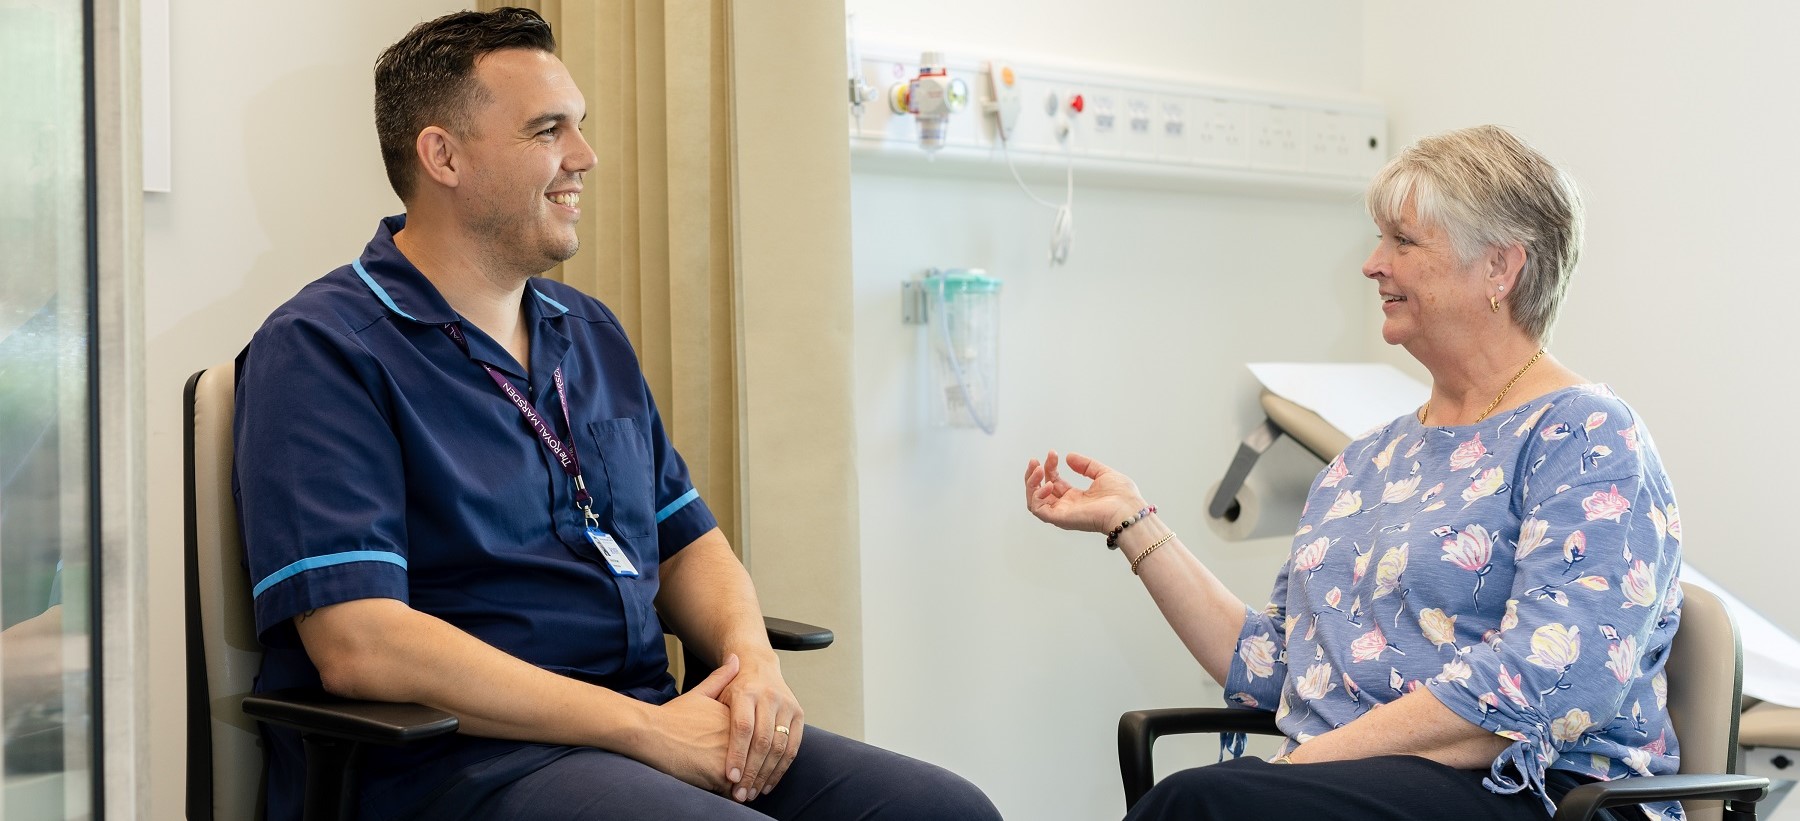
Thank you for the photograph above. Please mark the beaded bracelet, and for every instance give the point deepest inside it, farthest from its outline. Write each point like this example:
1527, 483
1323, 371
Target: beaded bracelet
1112, 537
1152, 549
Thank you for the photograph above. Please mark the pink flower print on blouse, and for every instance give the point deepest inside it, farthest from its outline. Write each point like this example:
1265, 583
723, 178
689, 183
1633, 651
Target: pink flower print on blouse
1386, 456
1622, 659
1556, 647
1258, 653
1531, 537
1530, 423
1370, 646
1309, 558
1336, 472
1349, 503
1510, 686
1592, 457
1490, 482
1471, 550
1396, 492
1438, 627
1426, 505
1316, 683
1638, 585
1575, 548
1387, 572
1456, 671
1667, 524
1569, 727
1630, 435
1361, 567
1468, 454
1606, 504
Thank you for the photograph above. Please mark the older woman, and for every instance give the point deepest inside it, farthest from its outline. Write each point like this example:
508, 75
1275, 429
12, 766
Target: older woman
1496, 571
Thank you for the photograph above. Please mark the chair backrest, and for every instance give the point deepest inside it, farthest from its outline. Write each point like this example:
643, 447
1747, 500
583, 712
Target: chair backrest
225, 758
1706, 681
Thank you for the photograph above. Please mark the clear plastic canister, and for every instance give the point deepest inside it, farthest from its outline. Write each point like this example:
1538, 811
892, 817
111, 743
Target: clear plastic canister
965, 346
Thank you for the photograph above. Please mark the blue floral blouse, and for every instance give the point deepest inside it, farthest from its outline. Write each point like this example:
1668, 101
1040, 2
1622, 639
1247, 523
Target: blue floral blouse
1522, 568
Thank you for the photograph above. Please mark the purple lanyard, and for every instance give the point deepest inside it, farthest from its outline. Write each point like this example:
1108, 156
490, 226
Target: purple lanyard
564, 452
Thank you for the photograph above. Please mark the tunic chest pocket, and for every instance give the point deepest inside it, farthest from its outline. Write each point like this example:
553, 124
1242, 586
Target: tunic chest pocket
625, 457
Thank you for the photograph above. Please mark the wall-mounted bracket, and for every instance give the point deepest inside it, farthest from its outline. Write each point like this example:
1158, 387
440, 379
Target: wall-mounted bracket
915, 303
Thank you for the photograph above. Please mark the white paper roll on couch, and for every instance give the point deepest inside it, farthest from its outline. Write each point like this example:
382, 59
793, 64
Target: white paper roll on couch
1258, 515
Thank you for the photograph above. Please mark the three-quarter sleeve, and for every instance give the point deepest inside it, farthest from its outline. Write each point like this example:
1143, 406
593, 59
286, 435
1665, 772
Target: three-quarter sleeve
1592, 605
1259, 661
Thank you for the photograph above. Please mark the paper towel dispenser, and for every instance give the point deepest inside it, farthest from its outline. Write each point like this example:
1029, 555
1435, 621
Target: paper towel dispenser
1307, 428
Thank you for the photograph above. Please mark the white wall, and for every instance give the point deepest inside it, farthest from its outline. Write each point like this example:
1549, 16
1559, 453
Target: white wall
277, 179
999, 646
1676, 119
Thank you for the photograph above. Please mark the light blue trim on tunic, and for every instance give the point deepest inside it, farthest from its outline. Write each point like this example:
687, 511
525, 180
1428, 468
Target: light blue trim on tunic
553, 303
691, 495
316, 562
380, 292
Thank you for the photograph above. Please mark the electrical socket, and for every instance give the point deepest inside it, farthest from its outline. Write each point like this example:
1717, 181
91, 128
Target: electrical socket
1328, 143
1172, 129
1099, 125
1138, 118
1275, 141
1344, 143
1221, 131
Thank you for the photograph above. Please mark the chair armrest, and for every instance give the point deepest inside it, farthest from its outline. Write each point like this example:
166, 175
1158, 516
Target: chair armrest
793, 635
375, 722
1583, 801
1139, 729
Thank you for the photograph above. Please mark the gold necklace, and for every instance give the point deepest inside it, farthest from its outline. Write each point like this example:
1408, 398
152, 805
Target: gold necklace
1426, 409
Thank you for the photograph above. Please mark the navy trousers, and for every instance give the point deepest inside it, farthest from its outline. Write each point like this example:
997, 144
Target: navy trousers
1385, 788
832, 779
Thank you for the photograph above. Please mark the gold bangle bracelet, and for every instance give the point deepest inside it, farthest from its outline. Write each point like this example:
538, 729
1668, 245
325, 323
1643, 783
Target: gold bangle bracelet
1151, 549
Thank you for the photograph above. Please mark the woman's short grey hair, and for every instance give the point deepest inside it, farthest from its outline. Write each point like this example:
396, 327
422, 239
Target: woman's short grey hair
1487, 189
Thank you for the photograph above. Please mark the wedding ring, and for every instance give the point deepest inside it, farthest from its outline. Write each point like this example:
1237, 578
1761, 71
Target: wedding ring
781, 728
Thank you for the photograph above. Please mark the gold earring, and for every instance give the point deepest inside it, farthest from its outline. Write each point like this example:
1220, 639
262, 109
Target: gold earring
1495, 302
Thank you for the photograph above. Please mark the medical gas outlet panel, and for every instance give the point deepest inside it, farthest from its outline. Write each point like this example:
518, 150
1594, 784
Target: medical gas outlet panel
945, 105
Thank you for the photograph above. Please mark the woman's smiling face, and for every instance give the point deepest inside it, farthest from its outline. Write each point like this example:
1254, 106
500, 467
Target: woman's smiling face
1426, 290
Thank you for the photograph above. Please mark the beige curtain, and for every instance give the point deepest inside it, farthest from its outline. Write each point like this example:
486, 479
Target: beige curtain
655, 225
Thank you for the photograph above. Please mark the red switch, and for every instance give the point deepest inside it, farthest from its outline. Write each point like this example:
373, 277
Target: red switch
1076, 104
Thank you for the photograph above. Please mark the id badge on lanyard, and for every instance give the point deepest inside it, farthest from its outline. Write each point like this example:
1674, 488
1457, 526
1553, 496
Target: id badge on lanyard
615, 557
565, 454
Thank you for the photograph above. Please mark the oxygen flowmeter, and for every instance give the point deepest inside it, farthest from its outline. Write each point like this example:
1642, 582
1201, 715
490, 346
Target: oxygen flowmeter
931, 98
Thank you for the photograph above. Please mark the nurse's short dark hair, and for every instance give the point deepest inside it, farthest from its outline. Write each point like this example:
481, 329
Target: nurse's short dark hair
428, 78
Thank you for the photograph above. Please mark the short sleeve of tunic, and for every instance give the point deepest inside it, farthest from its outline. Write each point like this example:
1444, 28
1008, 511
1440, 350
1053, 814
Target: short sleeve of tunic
310, 414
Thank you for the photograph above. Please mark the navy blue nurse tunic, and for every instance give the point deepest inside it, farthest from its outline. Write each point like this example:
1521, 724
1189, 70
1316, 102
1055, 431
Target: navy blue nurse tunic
377, 459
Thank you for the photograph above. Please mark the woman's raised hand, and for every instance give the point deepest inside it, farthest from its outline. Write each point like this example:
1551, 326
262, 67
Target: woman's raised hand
1109, 498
